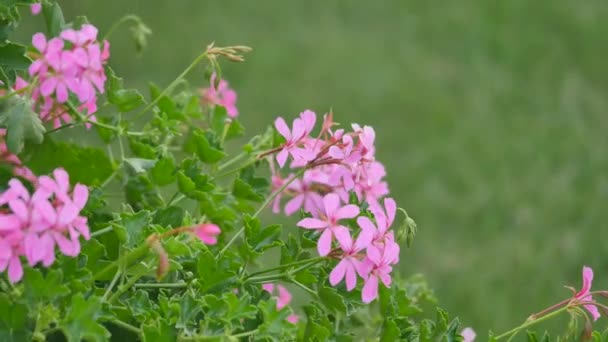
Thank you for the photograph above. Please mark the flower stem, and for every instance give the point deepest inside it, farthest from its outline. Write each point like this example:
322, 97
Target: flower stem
172, 85
529, 323
266, 202
121, 21
123, 288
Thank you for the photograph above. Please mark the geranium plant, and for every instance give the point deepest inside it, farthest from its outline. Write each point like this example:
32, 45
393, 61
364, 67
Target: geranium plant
147, 226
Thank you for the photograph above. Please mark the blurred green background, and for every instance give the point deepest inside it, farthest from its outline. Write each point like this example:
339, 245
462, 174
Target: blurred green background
491, 117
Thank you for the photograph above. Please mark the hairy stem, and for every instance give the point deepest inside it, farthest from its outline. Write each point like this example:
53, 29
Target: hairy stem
529, 323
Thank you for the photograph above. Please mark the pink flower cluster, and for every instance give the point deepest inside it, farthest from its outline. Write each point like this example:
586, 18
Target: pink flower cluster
283, 299
32, 225
222, 95
337, 163
69, 64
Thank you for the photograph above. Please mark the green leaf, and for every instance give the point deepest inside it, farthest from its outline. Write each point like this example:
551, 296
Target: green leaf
205, 152
13, 320
125, 99
331, 299
390, 331
260, 239
163, 172
140, 306
184, 183
159, 331
141, 149
275, 323
53, 17
81, 321
172, 216
39, 287
249, 187
218, 120
12, 57
86, 165
21, 123
235, 130
135, 224
189, 308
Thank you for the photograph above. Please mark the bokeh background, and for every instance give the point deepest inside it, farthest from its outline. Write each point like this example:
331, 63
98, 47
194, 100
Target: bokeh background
491, 117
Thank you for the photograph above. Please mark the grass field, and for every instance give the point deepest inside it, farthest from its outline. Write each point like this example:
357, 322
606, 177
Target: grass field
491, 117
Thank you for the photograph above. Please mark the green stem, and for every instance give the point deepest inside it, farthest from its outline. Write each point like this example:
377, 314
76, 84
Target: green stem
232, 161
111, 286
102, 231
244, 334
128, 259
304, 287
126, 326
122, 20
291, 264
266, 279
530, 323
160, 285
172, 85
84, 119
266, 202
123, 288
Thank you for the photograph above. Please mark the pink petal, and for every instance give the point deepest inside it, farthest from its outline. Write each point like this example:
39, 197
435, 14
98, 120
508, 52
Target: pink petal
593, 311
347, 212
66, 246
468, 335
36, 8
337, 274
80, 195
268, 287
15, 270
282, 128
9, 222
294, 205
342, 234
20, 209
331, 202
324, 243
61, 92
370, 290
47, 87
391, 210
67, 214
351, 278
284, 297
311, 223
282, 157
39, 41
5, 250
299, 130
373, 254
587, 281
293, 318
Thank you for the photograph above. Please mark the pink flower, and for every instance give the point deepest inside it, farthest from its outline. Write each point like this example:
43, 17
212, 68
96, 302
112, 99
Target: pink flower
305, 196
223, 96
293, 319
584, 296
34, 224
301, 128
284, 297
207, 233
375, 267
268, 287
330, 216
61, 69
468, 334
36, 8
384, 220
350, 265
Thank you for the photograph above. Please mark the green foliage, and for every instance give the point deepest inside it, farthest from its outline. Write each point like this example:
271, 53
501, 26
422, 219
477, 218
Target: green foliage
21, 122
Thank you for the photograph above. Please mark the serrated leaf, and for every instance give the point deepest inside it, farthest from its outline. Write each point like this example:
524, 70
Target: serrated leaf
159, 331
21, 122
139, 165
205, 152
331, 299
81, 321
39, 287
124, 99
390, 331
163, 172
170, 217
135, 225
